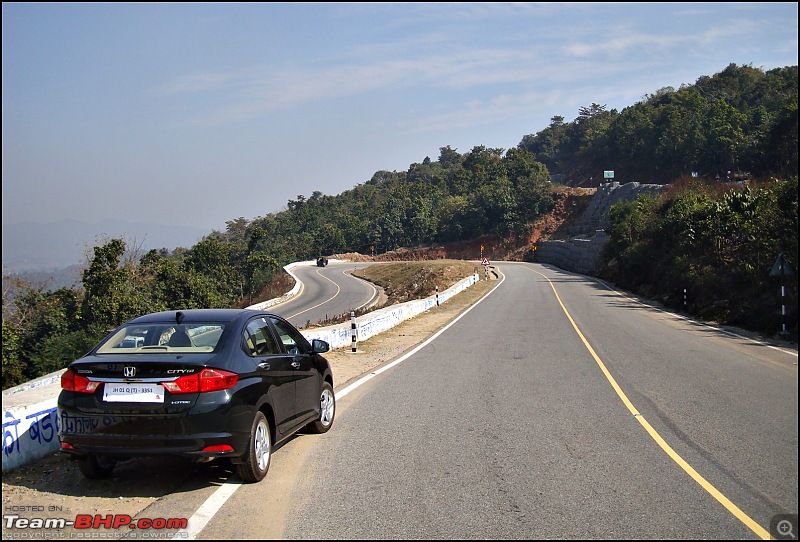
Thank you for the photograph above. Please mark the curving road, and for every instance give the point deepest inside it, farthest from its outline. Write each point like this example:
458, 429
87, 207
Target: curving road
327, 292
559, 408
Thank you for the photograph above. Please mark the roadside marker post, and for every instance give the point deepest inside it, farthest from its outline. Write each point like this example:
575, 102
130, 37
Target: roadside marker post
353, 328
485, 264
782, 269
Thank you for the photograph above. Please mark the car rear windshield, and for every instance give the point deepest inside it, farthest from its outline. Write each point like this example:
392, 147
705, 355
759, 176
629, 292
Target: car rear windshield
160, 338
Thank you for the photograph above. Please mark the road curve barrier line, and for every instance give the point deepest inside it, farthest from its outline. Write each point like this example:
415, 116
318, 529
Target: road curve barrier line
347, 389
705, 484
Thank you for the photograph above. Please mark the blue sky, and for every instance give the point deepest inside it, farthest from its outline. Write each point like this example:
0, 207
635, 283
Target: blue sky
195, 114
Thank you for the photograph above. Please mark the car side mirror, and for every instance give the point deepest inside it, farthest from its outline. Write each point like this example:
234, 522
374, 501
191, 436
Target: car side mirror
318, 346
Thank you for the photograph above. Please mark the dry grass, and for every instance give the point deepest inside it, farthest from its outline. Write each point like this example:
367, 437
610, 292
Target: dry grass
281, 283
404, 281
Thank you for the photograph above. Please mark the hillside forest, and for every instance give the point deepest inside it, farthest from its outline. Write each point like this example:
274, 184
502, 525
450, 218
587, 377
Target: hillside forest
726, 146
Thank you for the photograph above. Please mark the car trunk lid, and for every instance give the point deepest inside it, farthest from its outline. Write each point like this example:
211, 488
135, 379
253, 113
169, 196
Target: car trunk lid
133, 386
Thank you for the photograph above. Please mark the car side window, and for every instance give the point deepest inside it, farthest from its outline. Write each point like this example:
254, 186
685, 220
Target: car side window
290, 337
258, 339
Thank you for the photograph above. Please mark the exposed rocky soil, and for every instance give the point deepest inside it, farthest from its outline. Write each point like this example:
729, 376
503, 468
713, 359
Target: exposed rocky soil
570, 204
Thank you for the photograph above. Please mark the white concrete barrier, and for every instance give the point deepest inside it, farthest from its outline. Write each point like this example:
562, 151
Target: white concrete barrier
380, 320
288, 295
30, 415
30, 420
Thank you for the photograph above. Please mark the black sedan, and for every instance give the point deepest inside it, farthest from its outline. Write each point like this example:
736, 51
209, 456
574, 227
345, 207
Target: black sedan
202, 383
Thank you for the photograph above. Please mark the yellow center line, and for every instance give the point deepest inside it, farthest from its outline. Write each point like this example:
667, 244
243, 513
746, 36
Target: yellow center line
705, 484
338, 289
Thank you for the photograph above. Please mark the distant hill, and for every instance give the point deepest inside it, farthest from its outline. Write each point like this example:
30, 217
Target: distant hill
54, 246
50, 280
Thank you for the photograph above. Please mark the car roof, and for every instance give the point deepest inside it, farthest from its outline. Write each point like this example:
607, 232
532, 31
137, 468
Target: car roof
196, 315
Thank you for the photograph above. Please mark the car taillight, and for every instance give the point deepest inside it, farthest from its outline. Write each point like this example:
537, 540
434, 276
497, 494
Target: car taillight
218, 448
72, 381
205, 380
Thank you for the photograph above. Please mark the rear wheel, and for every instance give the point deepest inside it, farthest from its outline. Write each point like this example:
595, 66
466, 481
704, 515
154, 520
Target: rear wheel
96, 467
259, 451
327, 410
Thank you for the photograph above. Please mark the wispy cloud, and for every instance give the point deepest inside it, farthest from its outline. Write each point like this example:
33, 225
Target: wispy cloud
432, 61
246, 94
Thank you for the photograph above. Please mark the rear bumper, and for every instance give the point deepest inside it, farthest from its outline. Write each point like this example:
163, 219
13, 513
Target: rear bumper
187, 435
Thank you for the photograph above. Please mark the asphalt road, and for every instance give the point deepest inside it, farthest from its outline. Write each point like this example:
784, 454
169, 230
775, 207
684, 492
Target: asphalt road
558, 408
327, 292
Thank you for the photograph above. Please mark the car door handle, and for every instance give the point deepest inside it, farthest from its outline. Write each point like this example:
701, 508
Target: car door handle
264, 365
296, 364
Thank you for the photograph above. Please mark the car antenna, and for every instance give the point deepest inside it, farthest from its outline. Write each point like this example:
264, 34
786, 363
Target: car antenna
179, 317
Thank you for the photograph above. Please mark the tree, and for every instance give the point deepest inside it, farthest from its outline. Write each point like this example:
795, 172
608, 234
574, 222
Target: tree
547, 145
45, 340
107, 300
13, 365
724, 133
449, 157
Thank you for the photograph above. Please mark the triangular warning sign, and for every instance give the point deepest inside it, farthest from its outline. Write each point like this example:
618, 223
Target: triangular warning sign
781, 267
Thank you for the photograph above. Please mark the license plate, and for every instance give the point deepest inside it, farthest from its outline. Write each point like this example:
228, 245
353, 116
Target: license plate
133, 393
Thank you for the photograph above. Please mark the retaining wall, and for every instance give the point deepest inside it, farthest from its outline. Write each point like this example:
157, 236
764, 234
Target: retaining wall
580, 254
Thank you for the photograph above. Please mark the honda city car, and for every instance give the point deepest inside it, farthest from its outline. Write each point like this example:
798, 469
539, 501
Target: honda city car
204, 384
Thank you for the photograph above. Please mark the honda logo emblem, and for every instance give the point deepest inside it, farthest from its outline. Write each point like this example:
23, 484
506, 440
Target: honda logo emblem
129, 372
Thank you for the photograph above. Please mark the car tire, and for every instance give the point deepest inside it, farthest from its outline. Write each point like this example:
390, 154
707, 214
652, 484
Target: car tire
97, 467
259, 451
327, 410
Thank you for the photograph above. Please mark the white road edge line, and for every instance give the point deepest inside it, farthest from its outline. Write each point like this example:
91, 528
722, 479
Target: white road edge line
347, 389
209, 509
